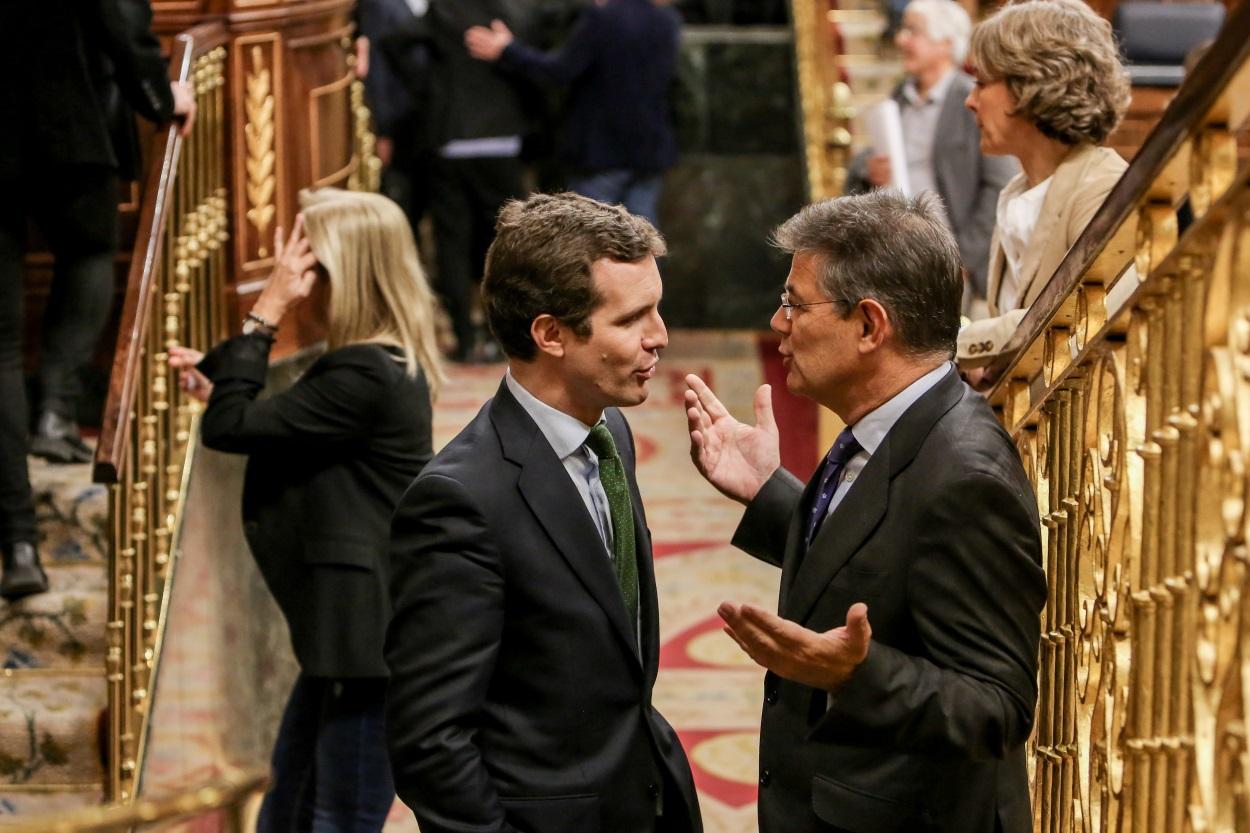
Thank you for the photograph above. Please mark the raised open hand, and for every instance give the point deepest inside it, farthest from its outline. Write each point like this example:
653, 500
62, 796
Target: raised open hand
734, 457
820, 660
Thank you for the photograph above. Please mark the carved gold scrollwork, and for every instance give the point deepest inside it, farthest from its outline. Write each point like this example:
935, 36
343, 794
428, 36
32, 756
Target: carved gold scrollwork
258, 135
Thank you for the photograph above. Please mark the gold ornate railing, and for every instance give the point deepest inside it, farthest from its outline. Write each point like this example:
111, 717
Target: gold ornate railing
1128, 394
824, 99
173, 295
230, 796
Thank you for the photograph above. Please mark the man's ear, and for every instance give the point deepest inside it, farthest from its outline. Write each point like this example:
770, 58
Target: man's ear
548, 334
875, 324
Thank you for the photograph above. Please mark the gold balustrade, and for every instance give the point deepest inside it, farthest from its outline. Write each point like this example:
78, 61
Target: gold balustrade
1127, 390
230, 796
824, 99
174, 296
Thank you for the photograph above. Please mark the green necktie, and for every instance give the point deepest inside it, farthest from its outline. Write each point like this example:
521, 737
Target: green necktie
612, 478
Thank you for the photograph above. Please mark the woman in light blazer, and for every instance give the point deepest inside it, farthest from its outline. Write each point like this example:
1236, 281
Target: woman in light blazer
1050, 88
328, 460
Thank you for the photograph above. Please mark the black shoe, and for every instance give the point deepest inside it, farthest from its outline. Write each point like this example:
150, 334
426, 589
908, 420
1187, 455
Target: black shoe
23, 575
57, 440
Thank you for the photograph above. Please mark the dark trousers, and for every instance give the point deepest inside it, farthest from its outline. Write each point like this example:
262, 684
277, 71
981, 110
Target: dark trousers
75, 209
330, 769
465, 197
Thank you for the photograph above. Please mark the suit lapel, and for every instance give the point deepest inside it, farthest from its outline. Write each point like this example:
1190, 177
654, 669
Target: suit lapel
545, 487
861, 510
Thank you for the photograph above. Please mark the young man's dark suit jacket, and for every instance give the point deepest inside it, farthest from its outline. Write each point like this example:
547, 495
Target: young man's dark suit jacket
939, 536
518, 698
328, 461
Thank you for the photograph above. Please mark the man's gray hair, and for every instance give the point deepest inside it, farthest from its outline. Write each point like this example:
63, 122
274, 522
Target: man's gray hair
893, 249
945, 20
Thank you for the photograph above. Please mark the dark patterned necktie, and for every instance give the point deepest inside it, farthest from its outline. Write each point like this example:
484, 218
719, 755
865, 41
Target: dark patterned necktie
844, 448
621, 508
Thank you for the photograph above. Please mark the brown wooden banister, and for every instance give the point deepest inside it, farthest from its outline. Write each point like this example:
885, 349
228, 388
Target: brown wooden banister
1210, 80
149, 245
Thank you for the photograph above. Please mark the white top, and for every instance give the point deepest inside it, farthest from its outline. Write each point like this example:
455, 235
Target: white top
1018, 212
873, 426
919, 115
567, 437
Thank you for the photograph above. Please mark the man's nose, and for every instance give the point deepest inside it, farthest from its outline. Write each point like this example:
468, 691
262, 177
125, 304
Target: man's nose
779, 323
656, 337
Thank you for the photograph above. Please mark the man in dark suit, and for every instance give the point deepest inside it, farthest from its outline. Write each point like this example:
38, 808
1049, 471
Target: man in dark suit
920, 521
941, 138
619, 62
71, 69
525, 639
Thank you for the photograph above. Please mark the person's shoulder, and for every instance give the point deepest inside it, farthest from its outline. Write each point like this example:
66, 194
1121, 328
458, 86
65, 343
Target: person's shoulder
971, 443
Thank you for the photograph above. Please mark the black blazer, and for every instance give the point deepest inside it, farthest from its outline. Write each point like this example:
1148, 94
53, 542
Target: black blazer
939, 535
71, 67
519, 699
328, 461
619, 59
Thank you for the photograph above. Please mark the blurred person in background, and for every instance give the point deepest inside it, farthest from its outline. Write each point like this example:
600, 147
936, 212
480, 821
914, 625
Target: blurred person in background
940, 136
74, 72
1050, 89
618, 136
328, 461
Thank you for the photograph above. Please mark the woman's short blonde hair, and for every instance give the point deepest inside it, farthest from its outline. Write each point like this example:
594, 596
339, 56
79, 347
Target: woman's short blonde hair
378, 290
1060, 63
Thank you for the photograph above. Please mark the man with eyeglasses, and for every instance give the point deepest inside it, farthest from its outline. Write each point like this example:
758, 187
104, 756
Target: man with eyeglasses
902, 664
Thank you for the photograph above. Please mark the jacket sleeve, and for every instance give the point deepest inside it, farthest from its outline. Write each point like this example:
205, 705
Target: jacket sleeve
565, 64
974, 235
975, 593
334, 403
447, 597
141, 72
764, 526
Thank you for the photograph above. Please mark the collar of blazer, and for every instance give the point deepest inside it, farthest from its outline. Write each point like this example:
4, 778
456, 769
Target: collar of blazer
545, 487
1042, 256
805, 577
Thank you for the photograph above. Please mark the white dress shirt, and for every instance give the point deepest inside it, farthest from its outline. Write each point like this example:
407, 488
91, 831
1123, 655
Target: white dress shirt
874, 425
567, 437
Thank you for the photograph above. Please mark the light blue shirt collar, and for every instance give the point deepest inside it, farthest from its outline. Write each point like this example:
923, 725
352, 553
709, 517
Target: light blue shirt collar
874, 425
565, 434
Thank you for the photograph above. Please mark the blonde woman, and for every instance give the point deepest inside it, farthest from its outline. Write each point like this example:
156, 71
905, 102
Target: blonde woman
1050, 88
328, 461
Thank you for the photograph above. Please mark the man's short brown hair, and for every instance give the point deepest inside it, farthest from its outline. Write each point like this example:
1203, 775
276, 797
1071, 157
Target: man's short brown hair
540, 263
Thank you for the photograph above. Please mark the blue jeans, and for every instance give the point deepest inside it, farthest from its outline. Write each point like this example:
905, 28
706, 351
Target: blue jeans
330, 769
638, 191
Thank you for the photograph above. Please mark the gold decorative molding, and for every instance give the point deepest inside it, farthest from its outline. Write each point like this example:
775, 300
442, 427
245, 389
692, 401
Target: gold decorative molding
258, 133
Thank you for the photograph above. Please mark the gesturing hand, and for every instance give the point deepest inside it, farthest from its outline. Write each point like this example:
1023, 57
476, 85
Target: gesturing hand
195, 383
292, 278
488, 44
734, 457
820, 660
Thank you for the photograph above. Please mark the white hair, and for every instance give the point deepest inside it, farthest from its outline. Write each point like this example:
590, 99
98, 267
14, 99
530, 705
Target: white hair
945, 20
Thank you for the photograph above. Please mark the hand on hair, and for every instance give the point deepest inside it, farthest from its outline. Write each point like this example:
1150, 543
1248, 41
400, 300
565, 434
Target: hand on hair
292, 278
195, 383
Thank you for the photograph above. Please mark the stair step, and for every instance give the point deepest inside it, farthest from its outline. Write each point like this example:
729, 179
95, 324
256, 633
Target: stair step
48, 728
72, 514
61, 629
21, 805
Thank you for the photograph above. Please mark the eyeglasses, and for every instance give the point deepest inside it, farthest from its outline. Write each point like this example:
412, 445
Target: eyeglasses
789, 307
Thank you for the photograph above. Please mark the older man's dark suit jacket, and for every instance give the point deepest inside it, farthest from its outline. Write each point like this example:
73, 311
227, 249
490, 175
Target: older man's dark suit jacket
519, 699
939, 536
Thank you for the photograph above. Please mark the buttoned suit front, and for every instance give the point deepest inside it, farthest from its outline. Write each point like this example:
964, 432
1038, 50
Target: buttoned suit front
520, 698
938, 535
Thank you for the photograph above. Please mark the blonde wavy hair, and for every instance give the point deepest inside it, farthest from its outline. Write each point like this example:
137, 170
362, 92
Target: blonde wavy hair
378, 290
1060, 63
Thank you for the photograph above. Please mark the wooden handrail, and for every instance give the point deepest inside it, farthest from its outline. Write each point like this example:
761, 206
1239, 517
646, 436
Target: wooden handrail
1200, 93
149, 240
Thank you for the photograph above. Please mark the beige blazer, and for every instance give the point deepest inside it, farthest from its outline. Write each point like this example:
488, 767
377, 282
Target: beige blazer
1077, 190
